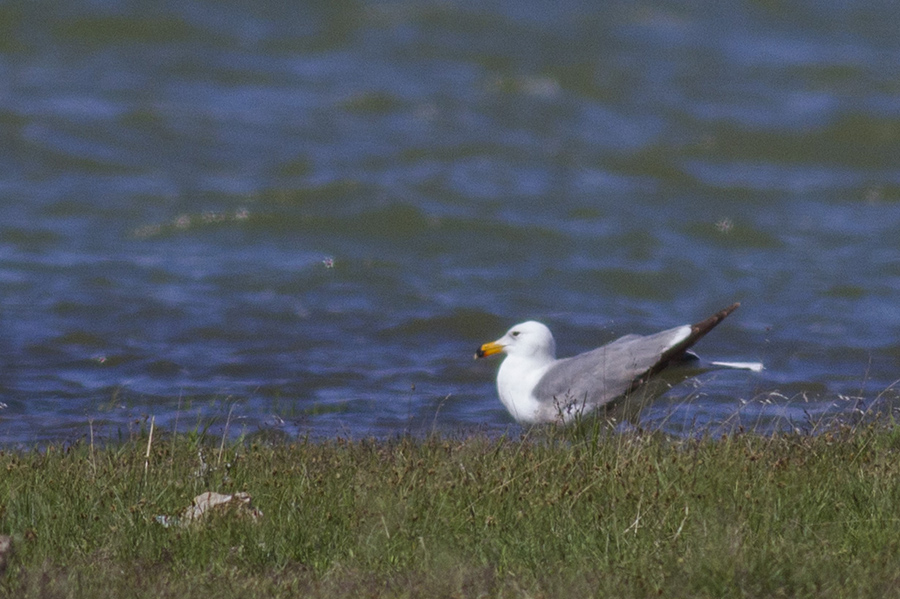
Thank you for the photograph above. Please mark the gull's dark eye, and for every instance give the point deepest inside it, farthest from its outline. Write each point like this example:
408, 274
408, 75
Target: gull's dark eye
515, 333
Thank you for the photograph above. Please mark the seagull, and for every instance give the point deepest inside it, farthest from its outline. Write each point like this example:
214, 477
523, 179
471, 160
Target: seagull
537, 388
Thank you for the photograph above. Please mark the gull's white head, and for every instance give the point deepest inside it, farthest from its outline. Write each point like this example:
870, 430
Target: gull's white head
530, 340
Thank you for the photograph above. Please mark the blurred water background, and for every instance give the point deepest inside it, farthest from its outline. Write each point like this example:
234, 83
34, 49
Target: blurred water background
302, 220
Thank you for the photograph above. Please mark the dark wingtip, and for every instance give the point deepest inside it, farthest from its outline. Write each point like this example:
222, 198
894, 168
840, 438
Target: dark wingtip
675, 352
704, 326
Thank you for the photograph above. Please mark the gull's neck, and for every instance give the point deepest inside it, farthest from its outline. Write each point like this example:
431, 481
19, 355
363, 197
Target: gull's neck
516, 379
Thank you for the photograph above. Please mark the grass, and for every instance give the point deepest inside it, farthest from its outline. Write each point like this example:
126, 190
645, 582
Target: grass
556, 513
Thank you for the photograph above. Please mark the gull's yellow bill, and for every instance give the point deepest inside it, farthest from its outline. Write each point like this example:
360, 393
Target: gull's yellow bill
489, 349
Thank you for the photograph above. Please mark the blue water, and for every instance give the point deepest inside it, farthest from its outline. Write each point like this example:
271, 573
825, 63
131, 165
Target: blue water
305, 220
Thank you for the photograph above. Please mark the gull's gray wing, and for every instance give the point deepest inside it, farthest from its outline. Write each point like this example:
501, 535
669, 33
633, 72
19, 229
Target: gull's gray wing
597, 377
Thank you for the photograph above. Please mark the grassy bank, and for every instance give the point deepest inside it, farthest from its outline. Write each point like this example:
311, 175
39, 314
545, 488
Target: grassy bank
558, 514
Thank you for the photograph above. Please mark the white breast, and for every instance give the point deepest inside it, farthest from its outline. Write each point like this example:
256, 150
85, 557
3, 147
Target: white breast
516, 381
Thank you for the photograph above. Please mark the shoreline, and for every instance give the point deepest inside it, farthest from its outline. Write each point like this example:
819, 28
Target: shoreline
549, 513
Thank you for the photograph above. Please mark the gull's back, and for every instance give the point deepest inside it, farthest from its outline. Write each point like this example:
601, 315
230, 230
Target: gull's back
595, 378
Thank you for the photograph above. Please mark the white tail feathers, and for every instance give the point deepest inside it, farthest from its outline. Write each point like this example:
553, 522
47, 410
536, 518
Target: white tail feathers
753, 366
